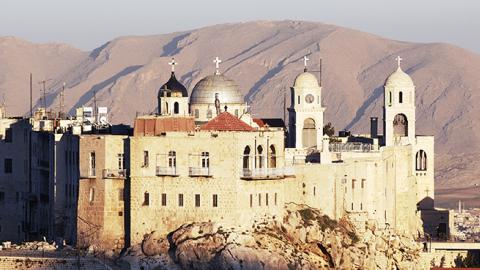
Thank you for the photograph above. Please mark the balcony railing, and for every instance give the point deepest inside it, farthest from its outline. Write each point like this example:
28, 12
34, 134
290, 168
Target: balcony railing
351, 147
200, 171
166, 171
265, 173
114, 173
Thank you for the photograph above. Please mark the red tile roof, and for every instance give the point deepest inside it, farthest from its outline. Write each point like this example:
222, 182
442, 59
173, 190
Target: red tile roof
226, 122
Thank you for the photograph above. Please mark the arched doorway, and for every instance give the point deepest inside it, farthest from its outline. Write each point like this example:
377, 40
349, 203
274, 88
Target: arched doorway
272, 157
246, 157
176, 108
260, 162
400, 126
309, 134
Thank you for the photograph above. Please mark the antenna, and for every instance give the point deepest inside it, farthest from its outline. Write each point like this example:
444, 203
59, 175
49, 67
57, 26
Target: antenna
320, 71
62, 101
31, 94
44, 92
284, 106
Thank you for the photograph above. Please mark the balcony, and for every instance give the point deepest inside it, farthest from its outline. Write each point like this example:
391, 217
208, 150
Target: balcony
166, 171
200, 172
267, 173
114, 173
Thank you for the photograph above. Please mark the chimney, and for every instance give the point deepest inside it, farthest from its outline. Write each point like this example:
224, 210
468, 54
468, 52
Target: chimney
374, 127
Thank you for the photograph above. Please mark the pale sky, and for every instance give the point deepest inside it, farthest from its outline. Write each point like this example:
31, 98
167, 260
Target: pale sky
87, 24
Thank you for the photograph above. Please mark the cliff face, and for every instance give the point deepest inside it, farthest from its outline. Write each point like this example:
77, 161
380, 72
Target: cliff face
304, 239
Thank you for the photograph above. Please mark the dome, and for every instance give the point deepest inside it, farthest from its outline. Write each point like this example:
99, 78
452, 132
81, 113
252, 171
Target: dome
306, 79
399, 79
205, 90
173, 88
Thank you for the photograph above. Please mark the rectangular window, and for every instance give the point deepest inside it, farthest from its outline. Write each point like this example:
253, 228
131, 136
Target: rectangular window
8, 135
146, 160
92, 164
259, 199
298, 99
314, 191
353, 183
121, 161
215, 200
363, 183
146, 198
164, 199
275, 198
352, 205
8, 165
361, 206
205, 160
180, 200
91, 195
251, 200
121, 194
197, 200
266, 199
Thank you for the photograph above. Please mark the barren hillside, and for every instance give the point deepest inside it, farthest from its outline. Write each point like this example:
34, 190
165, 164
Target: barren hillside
264, 58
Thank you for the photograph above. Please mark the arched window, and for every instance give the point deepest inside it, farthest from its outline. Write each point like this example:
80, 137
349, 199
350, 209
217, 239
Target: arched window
272, 157
421, 161
176, 108
246, 157
400, 97
172, 159
309, 133
260, 157
400, 125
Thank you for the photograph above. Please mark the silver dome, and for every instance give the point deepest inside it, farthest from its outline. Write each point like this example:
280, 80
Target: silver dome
205, 90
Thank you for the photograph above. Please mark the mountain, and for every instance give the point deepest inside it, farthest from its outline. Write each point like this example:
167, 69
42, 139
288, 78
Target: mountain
263, 58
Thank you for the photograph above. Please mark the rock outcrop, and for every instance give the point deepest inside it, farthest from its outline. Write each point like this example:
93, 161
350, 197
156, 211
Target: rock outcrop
304, 239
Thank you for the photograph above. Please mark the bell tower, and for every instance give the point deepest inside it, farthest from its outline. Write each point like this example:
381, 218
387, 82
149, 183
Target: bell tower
399, 108
306, 112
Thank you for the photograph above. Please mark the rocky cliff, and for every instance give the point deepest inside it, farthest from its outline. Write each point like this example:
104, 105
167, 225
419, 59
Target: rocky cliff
304, 239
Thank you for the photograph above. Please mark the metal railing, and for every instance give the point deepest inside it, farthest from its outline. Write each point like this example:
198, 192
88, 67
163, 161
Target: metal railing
199, 171
114, 173
351, 147
268, 172
166, 171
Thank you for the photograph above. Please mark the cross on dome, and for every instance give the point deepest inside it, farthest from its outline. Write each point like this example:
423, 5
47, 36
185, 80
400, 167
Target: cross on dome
305, 60
217, 62
173, 64
399, 61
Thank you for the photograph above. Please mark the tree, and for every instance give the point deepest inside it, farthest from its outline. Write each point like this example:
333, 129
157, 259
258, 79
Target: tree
328, 129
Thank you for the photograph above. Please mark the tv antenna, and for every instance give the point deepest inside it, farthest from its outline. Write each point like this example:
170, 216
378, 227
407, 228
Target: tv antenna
44, 92
62, 101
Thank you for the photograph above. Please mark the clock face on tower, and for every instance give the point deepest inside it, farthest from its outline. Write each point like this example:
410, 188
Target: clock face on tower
309, 98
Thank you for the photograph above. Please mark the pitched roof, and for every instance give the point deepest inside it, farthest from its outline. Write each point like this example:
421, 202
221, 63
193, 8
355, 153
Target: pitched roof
226, 122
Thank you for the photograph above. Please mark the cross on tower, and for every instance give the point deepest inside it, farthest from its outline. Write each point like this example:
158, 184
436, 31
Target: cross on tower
217, 62
399, 60
173, 64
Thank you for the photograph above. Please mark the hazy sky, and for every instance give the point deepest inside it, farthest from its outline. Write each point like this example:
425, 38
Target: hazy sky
87, 24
